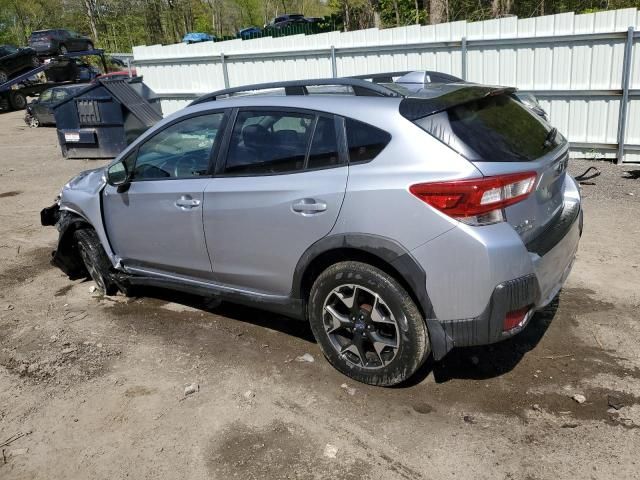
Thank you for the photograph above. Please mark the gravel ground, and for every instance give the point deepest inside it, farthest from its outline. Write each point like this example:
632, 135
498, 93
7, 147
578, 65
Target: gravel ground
93, 387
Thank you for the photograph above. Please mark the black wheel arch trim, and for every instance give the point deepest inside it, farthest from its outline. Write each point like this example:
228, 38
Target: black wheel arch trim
395, 255
66, 256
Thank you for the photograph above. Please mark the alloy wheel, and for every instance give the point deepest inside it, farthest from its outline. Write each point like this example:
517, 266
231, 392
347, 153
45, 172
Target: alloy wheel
361, 326
95, 274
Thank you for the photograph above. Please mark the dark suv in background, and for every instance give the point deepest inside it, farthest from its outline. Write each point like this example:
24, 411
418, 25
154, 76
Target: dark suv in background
58, 42
287, 20
14, 60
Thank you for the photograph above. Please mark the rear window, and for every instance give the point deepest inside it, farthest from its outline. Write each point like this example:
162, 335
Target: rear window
493, 129
38, 35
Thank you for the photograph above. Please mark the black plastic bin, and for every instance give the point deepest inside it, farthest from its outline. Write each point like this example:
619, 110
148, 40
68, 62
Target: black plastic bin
102, 119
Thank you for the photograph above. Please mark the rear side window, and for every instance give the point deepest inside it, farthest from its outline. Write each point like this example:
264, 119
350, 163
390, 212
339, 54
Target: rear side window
364, 141
268, 142
493, 129
324, 146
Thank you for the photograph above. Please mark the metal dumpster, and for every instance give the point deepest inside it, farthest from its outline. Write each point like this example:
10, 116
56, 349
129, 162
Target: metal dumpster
102, 119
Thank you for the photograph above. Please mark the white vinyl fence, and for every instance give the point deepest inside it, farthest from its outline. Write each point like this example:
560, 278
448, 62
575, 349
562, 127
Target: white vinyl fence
584, 69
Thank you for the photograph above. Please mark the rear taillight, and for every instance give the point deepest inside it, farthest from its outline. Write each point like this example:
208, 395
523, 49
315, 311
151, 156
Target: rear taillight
476, 201
515, 319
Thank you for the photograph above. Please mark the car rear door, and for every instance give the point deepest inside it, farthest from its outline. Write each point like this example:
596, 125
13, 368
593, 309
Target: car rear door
156, 225
278, 189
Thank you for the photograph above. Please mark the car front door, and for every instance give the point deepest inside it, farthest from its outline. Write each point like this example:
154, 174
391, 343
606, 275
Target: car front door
42, 108
278, 190
155, 226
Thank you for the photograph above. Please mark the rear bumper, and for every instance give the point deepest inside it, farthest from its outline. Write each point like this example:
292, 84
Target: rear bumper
479, 274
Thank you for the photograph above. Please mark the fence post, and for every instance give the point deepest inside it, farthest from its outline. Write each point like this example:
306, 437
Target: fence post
463, 51
225, 72
624, 101
334, 65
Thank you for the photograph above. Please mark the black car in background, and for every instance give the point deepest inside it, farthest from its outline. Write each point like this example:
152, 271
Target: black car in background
14, 60
287, 20
40, 110
58, 42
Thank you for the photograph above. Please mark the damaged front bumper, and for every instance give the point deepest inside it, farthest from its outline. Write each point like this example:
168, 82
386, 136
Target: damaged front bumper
50, 216
65, 257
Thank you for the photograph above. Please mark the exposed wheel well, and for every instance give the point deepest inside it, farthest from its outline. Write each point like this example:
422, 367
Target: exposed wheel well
330, 257
67, 256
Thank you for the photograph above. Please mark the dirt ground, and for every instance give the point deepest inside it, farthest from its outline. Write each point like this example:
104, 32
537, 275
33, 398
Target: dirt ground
96, 385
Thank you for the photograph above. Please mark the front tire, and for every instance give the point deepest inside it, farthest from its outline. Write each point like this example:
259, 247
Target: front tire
33, 121
95, 260
367, 325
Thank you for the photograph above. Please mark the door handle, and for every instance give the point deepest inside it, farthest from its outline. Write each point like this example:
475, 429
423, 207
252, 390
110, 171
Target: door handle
186, 202
309, 205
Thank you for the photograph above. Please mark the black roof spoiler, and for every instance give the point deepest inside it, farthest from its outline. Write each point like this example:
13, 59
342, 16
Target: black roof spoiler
431, 101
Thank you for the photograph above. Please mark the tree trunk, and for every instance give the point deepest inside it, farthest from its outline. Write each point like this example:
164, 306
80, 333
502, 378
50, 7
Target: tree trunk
91, 13
346, 15
417, 5
21, 19
500, 8
395, 8
437, 11
375, 9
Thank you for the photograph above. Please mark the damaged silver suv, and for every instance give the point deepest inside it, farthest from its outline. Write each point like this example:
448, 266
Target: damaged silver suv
397, 223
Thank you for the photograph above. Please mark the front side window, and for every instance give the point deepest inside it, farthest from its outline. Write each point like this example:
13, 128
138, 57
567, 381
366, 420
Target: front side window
181, 150
46, 95
364, 141
265, 142
60, 95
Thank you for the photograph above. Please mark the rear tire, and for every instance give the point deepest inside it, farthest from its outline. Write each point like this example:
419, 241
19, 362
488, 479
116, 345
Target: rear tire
95, 260
367, 325
18, 101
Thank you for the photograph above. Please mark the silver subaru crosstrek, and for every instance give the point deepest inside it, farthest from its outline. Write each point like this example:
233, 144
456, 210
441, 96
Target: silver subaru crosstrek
397, 223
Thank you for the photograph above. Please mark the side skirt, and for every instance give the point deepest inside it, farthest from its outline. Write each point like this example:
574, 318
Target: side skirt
287, 306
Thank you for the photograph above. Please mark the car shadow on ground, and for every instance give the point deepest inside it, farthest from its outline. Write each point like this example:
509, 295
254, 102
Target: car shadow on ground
488, 361
476, 363
241, 313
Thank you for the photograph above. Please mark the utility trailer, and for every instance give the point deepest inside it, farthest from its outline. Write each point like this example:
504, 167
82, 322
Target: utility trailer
14, 93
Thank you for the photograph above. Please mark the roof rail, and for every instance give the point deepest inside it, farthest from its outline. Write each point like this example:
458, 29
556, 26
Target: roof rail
383, 77
299, 87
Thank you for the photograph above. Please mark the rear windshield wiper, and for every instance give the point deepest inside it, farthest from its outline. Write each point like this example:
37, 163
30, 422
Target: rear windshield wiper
551, 135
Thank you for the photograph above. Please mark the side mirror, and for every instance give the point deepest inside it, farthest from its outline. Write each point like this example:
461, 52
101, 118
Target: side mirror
117, 175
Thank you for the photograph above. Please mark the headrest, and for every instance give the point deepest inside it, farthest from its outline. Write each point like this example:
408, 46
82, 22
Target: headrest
255, 136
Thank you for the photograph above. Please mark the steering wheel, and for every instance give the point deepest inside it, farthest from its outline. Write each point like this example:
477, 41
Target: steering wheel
187, 166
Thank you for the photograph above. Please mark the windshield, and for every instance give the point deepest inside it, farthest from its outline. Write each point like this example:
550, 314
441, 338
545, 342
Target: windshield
7, 50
